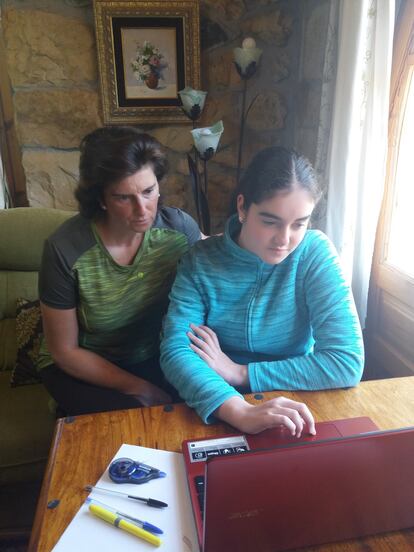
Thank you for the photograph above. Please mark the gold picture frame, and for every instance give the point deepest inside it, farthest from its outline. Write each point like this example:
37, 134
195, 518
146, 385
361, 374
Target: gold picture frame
147, 52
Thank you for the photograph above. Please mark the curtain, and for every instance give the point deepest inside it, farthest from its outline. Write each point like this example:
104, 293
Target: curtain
330, 62
3, 187
358, 140
5, 199
2, 194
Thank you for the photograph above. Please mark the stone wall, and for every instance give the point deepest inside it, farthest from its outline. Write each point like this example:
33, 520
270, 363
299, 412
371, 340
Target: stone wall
52, 63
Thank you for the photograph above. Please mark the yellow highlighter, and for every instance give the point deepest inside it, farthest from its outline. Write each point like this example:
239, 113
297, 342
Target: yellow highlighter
123, 524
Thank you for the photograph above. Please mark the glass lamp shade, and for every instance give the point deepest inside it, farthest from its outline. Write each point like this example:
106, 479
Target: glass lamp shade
247, 55
193, 101
207, 139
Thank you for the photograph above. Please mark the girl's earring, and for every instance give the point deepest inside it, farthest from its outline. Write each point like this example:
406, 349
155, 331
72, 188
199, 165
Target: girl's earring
242, 220
103, 207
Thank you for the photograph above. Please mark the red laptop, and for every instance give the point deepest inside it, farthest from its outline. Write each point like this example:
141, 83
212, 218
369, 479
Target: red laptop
272, 492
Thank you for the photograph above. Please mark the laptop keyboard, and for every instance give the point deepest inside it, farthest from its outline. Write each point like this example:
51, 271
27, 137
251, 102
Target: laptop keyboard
203, 449
200, 451
199, 481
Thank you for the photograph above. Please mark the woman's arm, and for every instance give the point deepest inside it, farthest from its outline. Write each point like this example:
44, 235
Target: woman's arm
61, 333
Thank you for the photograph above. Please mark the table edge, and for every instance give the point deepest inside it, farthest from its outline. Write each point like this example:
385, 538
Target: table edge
41, 503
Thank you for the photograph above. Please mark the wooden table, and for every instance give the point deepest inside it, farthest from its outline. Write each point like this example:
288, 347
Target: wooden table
83, 447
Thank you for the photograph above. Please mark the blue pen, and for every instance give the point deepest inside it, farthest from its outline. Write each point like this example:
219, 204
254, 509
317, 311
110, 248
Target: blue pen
143, 524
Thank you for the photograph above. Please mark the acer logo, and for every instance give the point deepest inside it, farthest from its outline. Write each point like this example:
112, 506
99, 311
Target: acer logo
246, 514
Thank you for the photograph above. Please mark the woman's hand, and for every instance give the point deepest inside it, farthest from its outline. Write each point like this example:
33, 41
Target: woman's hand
148, 394
293, 415
205, 343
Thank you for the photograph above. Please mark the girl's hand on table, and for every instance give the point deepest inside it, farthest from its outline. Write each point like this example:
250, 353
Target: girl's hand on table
205, 343
293, 415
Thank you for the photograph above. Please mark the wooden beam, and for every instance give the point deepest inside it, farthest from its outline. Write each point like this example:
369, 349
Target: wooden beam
9, 144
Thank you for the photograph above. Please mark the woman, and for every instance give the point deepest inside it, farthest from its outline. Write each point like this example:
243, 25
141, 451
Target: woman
263, 307
105, 278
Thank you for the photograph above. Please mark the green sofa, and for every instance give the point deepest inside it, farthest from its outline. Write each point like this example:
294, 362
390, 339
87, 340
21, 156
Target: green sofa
26, 412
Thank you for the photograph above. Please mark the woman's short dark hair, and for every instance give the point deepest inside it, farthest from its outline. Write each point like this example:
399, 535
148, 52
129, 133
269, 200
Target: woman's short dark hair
110, 154
276, 169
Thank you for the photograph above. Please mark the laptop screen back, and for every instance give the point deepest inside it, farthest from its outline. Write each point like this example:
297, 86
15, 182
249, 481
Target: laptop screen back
197, 451
303, 495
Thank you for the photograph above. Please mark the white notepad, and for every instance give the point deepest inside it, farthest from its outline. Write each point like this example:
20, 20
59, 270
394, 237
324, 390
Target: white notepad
87, 532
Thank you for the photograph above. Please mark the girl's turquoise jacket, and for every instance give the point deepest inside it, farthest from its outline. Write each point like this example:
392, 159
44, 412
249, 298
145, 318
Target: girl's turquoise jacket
294, 324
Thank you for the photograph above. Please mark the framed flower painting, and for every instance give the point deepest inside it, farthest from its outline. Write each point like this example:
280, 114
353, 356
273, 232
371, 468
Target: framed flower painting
147, 52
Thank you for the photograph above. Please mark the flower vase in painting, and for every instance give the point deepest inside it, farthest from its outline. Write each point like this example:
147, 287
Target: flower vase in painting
148, 64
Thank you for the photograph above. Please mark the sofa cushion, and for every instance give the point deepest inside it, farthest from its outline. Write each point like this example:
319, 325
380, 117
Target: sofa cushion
23, 231
22, 250
29, 335
14, 284
26, 429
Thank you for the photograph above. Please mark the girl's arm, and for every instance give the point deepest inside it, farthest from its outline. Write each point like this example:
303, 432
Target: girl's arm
200, 386
337, 358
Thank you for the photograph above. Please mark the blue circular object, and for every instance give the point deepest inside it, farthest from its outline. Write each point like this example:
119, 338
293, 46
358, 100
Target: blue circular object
125, 470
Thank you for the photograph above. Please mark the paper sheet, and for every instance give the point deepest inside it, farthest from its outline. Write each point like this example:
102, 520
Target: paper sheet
87, 532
